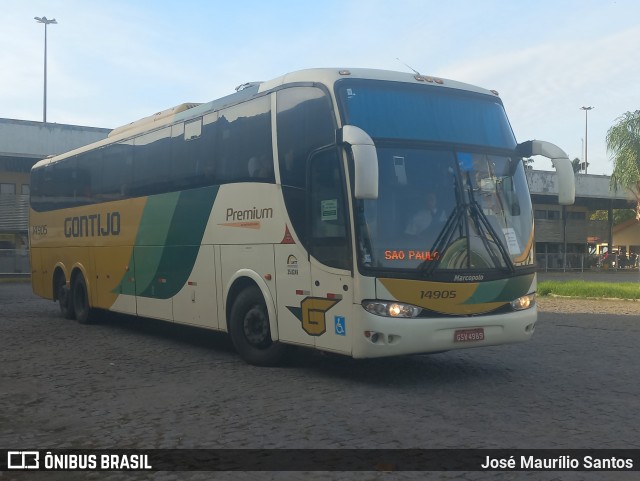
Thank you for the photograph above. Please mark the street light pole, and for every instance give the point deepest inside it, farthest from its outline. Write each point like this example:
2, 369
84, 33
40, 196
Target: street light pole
586, 130
46, 22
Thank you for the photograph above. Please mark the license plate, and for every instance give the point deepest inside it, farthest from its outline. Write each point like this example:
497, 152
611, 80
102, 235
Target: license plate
469, 335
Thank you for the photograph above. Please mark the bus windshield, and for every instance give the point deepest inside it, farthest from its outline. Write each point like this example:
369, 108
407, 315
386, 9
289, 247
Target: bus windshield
452, 192
393, 110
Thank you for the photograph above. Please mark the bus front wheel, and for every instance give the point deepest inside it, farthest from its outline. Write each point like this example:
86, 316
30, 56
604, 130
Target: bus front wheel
80, 299
250, 331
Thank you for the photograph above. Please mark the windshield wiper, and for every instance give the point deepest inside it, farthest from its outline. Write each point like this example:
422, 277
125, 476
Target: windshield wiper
486, 232
443, 239
480, 219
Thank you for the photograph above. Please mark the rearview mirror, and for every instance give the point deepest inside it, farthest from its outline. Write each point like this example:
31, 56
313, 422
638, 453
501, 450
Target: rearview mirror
365, 161
560, 161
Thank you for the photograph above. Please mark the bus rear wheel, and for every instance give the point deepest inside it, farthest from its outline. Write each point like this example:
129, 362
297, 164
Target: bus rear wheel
250, 331
80, 299
63, 294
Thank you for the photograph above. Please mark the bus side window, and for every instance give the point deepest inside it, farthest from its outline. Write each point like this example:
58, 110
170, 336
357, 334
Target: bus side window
328, 213
152, 158
117, 170
89, 176
305, 122
66, 183
192, 154
244, 131
45, 193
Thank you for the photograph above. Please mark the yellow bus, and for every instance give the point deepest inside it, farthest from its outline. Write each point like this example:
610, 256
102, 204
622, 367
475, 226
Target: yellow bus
364, 212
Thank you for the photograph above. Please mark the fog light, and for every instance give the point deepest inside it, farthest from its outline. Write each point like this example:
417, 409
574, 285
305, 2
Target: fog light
524, 302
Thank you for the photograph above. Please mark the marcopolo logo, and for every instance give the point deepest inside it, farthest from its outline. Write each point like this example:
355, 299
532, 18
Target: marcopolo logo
465, 278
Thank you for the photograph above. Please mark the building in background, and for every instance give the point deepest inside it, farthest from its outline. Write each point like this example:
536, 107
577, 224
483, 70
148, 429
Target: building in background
565, 236
625, 251
22, 144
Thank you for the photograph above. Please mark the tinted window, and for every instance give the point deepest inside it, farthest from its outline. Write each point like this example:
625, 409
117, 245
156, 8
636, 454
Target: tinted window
151, 167
89, 176
395, 110
305, 123
117, 171
192, 155
38, 189
65, 186
245, 151
327, 208
202, 151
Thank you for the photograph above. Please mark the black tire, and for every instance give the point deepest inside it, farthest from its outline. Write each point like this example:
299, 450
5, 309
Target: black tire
250, 331
65, 299
80, 299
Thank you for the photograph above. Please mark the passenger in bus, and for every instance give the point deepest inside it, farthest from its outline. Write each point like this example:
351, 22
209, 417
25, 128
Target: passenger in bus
430, 216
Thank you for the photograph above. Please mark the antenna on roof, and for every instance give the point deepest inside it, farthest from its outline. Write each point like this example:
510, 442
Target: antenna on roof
410, 68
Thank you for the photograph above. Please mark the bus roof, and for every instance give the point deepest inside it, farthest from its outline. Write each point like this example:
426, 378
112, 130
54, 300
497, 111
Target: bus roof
329, 76
326, 76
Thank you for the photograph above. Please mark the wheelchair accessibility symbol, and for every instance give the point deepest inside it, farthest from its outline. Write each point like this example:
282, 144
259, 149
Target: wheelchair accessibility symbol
340, 326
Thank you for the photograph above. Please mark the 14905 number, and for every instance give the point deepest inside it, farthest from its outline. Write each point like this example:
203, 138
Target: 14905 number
438, 294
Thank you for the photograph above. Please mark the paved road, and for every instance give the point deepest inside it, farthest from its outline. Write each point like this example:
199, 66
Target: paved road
132, 383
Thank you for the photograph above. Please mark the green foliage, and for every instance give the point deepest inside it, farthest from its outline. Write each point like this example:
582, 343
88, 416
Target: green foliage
619, 215
528, 163
617, 290
623, 142
575, 163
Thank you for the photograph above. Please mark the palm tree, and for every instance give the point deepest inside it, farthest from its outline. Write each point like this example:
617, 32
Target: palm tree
623, 142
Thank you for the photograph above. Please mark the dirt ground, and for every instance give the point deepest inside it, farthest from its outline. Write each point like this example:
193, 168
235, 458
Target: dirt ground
589, 306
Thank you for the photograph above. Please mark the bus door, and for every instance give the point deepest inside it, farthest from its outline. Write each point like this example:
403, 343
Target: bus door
294, 288
329, 248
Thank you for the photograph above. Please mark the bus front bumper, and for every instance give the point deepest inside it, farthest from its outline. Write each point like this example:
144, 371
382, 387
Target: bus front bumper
377, 336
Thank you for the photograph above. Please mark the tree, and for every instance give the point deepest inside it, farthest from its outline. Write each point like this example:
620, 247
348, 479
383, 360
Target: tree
528, 163
575, 163
623, 142
619, 215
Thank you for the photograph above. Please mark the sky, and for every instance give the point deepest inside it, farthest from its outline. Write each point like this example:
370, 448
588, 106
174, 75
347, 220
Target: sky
111, 62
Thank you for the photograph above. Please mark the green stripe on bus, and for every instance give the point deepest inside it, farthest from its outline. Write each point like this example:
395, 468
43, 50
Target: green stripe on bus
181, 244
168, 241
152, 238
502, 290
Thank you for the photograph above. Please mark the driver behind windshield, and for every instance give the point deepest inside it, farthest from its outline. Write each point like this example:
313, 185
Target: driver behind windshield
427, 217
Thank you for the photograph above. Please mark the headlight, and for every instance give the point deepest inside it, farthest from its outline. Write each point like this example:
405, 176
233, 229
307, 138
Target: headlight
524, 302
391, 309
